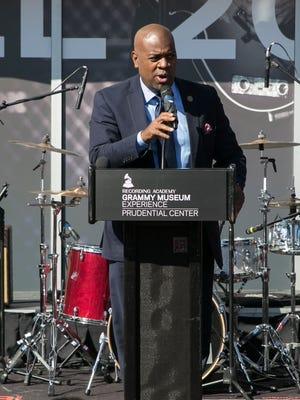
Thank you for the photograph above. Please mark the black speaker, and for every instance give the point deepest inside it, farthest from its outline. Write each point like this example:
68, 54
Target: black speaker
162, 311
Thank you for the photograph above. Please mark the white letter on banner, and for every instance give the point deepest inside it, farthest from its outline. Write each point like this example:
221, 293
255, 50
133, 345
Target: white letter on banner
267, 30
187, 47
35, 45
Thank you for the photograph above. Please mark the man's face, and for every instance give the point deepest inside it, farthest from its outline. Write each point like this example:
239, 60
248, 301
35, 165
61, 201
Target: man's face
155, 58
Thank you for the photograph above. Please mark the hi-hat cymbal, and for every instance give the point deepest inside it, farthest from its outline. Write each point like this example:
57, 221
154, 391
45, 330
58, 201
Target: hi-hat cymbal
260, 144
285, 203
73, 192
45, 147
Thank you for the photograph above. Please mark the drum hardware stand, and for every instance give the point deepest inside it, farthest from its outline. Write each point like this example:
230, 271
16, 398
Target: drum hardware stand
292, 277
103, 341
270, 336
34, 342
229, 372
56, 323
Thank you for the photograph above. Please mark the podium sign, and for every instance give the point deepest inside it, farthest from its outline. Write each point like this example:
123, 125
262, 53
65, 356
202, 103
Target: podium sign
159, 195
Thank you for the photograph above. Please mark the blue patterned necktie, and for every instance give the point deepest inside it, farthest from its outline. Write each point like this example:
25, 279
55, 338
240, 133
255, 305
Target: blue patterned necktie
170, 154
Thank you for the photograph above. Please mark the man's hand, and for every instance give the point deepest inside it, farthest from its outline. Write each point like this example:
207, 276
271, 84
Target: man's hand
239, 199
159, 128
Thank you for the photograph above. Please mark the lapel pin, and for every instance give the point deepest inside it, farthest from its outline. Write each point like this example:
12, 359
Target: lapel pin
190, 98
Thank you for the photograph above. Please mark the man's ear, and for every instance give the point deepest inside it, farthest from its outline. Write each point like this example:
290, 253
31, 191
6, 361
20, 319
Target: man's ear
134, 58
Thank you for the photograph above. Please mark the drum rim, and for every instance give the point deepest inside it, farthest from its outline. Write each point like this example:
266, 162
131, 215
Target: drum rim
109, 324
250, 240
215, 363
85, 247
85, 321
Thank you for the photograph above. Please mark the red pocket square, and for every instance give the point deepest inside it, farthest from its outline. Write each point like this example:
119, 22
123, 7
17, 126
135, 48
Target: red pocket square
207, 128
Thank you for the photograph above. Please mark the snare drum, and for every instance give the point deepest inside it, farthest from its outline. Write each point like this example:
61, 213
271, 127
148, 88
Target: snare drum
281, 237
247, 260
87, 290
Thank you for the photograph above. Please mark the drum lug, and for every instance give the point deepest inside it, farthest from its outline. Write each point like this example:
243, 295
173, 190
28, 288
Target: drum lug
75, 312
81, 257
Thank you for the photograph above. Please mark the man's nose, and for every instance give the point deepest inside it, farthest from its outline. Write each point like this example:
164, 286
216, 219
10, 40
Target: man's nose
163, 62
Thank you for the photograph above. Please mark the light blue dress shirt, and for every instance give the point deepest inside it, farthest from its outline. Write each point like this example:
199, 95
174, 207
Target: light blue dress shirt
181, 134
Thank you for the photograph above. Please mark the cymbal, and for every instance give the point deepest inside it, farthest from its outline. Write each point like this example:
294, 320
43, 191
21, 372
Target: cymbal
73, 192
268, 144
285, 203
45, 147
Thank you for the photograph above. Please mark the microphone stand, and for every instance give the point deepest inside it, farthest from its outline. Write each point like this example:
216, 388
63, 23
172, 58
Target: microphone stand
275, 64
4, 104
261, 227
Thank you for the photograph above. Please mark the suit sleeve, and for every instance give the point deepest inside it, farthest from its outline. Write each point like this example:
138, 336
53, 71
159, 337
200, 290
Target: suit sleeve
106, 138
227, 150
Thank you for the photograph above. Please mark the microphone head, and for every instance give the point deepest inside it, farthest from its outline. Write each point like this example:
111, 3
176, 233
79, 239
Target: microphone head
81, 88
166, 90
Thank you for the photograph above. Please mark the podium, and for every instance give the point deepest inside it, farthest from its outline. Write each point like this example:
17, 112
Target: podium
164, 213
2, 285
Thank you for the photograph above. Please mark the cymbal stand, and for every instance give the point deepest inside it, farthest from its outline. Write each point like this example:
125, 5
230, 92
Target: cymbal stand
269, 335
233, 354
44, 268
31, 342
292, 315
34, 341
57, 324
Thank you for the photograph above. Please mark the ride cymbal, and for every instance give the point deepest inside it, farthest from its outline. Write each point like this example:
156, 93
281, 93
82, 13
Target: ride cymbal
260, 144
47, 146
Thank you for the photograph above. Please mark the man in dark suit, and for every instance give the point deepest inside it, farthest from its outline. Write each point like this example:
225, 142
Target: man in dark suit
126, 130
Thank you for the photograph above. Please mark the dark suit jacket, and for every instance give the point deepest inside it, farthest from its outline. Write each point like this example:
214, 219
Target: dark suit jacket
119, 114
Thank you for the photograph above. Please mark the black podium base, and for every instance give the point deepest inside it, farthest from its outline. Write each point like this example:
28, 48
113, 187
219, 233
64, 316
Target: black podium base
162, 311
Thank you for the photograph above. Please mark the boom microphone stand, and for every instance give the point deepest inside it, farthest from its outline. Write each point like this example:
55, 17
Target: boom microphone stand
4, 104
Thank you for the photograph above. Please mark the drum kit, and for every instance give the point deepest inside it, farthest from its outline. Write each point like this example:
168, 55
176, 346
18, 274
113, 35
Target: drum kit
86, 295
250, 261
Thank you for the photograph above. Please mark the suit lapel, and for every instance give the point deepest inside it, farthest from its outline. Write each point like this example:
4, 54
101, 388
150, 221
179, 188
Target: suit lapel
136, 104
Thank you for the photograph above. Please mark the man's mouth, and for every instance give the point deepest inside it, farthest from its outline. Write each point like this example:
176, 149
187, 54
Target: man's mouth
162, 79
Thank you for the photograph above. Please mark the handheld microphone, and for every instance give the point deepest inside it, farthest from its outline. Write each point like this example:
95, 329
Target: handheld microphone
69, 231
253, 229
267, 66
169, 103
81, 88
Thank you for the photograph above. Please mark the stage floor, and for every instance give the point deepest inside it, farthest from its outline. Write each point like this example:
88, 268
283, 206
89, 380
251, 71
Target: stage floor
78, 373
15, 389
